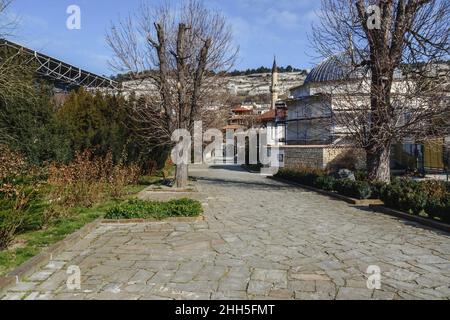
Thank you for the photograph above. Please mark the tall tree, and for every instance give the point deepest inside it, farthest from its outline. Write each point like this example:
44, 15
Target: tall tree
30, 127
184, 52
397, 88
14, 76
95, 121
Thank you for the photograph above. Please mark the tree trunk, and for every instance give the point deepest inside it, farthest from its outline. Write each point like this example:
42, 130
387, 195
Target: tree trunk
181, 175
378, 164
378, 152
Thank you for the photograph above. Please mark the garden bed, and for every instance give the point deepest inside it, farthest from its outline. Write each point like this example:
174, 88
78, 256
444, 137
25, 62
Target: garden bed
425, 199
32, 265
359, 202
406, 216
40, 206
141, 210
29, 244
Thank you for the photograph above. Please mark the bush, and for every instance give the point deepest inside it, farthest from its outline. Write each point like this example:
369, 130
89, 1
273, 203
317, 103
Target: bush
325, 183
354, 189
430, 197
88, 179
18, 192
439, 208
376, 188
412, 196
303, 175
412, 202
319, 179
140, 209
10, 221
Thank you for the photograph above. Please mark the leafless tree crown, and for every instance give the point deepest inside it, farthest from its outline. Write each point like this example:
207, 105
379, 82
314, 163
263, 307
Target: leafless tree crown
402, 65
183, 50
14, 71
394, 57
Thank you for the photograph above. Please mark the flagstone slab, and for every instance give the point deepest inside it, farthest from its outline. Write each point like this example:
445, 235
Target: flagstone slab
260, 239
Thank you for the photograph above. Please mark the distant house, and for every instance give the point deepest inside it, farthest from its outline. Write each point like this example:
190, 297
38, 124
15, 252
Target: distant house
314, 137
268, 121
274, 122
242, 117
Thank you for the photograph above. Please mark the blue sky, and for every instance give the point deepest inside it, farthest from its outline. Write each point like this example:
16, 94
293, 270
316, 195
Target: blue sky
261, 28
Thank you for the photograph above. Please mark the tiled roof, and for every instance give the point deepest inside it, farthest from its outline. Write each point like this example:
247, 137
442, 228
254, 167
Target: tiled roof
242, 109
269, 115
232, 127
272, 115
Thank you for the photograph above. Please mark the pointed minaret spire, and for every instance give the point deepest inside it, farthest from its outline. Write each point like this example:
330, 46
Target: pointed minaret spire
274, 85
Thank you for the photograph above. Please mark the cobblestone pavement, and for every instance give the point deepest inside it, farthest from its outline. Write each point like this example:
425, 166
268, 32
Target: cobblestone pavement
261, 240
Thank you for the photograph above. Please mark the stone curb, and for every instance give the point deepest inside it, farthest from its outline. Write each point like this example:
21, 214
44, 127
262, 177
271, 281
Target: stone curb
375, 205
43, 258
424, 221
170, 191
358, 202
132, 221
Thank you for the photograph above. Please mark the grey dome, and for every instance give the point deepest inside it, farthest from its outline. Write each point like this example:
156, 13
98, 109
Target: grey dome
338, 67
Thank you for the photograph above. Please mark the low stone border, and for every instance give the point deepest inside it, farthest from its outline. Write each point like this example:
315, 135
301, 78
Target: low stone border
402, 215
43, 258
358, 202
171, 191
173, 219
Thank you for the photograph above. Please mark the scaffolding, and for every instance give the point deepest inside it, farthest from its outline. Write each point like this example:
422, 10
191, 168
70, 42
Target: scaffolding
62, 74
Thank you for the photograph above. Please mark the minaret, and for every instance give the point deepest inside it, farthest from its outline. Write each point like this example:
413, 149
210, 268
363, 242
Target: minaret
274, 90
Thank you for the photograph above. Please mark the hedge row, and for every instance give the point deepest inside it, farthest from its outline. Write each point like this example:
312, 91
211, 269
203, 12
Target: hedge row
430, 197
319, 179
426, 197
140, 209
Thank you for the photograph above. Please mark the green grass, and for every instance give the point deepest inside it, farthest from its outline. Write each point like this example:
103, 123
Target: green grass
150, 180
140, 209
134, 189
31, 243
32, 239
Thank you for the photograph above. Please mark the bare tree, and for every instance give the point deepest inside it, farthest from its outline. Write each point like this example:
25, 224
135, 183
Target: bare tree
7, 24
14, 69
391, 54
183, 51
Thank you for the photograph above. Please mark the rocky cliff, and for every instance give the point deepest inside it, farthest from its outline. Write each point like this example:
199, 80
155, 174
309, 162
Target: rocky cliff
257, 84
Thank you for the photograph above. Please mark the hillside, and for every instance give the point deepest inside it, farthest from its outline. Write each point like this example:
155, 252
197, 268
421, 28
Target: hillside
259, 84
242, 86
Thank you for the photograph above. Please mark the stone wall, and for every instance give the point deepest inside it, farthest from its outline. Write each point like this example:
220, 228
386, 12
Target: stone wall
304, 156
324, 157
344, 157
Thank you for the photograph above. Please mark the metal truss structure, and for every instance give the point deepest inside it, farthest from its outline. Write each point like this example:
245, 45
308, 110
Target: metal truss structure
63, 75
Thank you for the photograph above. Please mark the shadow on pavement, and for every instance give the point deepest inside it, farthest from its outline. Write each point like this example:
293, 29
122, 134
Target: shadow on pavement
249, 184
403, 221
231, 167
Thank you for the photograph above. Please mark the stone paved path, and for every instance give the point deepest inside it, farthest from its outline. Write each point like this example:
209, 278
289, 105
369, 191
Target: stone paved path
261, 240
